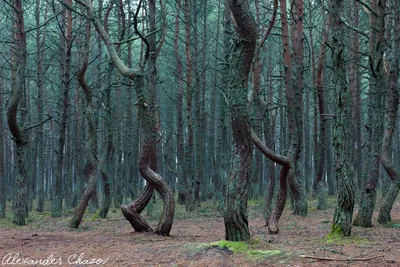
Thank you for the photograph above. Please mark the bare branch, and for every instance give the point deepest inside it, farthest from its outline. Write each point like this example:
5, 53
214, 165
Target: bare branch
39, 124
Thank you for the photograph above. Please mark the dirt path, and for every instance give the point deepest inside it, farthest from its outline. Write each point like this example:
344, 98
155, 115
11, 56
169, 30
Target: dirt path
114, 242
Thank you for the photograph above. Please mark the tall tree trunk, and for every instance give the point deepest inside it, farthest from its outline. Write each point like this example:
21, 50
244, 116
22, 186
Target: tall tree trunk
375, 111
18, 68
341, 132
189, 106
321, 93
355, 90
235, 217
295, 103
391, 117
91, 142
56, 208
3, 177
183, 183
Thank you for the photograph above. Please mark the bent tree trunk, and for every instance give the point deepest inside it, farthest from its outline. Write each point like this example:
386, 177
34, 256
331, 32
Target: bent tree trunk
273, 220
235, 217
18, 67
91, 144
147, 114
391, 116
341, 135
155, 181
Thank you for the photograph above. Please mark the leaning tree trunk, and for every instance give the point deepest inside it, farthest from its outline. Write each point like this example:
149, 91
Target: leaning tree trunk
341, 131
375, 111
391, 114
235, 217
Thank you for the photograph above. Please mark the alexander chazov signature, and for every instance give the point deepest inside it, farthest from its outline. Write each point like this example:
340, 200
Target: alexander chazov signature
15, 259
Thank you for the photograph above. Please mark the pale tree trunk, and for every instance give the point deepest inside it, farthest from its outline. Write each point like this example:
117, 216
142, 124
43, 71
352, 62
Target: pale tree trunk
341, 132
375, 111
18, 67
391, 117
235, 217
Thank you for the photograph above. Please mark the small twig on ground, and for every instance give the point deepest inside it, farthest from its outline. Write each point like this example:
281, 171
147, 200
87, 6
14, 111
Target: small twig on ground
108, 220
335, 259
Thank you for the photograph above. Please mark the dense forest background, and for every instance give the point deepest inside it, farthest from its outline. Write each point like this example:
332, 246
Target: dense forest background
95, 96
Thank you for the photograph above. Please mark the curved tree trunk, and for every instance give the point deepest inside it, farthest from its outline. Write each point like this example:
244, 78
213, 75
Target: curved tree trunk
235, 217
391, 116
18, 67
147, 114
91, 144
273, 226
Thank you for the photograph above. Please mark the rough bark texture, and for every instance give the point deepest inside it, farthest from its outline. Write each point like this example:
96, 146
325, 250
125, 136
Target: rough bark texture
57, 197
341, 132
375, 111
295, 108
235, 217
320, 157
391, 117
294, 94
18, 67
3, 177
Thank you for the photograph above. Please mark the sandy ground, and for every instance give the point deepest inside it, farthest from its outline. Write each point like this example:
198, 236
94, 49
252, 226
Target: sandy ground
113, 242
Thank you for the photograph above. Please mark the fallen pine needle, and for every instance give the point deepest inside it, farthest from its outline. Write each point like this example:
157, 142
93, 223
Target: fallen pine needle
335, 259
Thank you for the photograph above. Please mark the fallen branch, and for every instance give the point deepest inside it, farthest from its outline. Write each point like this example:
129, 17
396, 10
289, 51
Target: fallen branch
333, 259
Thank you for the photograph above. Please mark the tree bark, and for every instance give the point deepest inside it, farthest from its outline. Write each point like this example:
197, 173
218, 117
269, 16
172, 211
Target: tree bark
341, 132
375, 111
391, 117
91, 143
56, 208
235, 217
147, 113
18, 67
3, 177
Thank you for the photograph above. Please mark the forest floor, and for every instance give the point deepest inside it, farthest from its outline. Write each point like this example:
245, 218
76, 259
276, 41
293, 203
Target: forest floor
196, 241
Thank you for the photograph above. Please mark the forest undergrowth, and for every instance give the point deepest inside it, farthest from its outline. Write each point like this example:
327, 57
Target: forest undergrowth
197, 240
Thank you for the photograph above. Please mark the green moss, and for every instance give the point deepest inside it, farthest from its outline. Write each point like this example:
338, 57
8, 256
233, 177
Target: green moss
262, 254
235, 247
339, 239
94, 217
337, 231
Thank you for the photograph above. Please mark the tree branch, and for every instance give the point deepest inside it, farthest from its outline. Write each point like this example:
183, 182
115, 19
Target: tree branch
281, 160
334, 259
354, 28
37, 125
